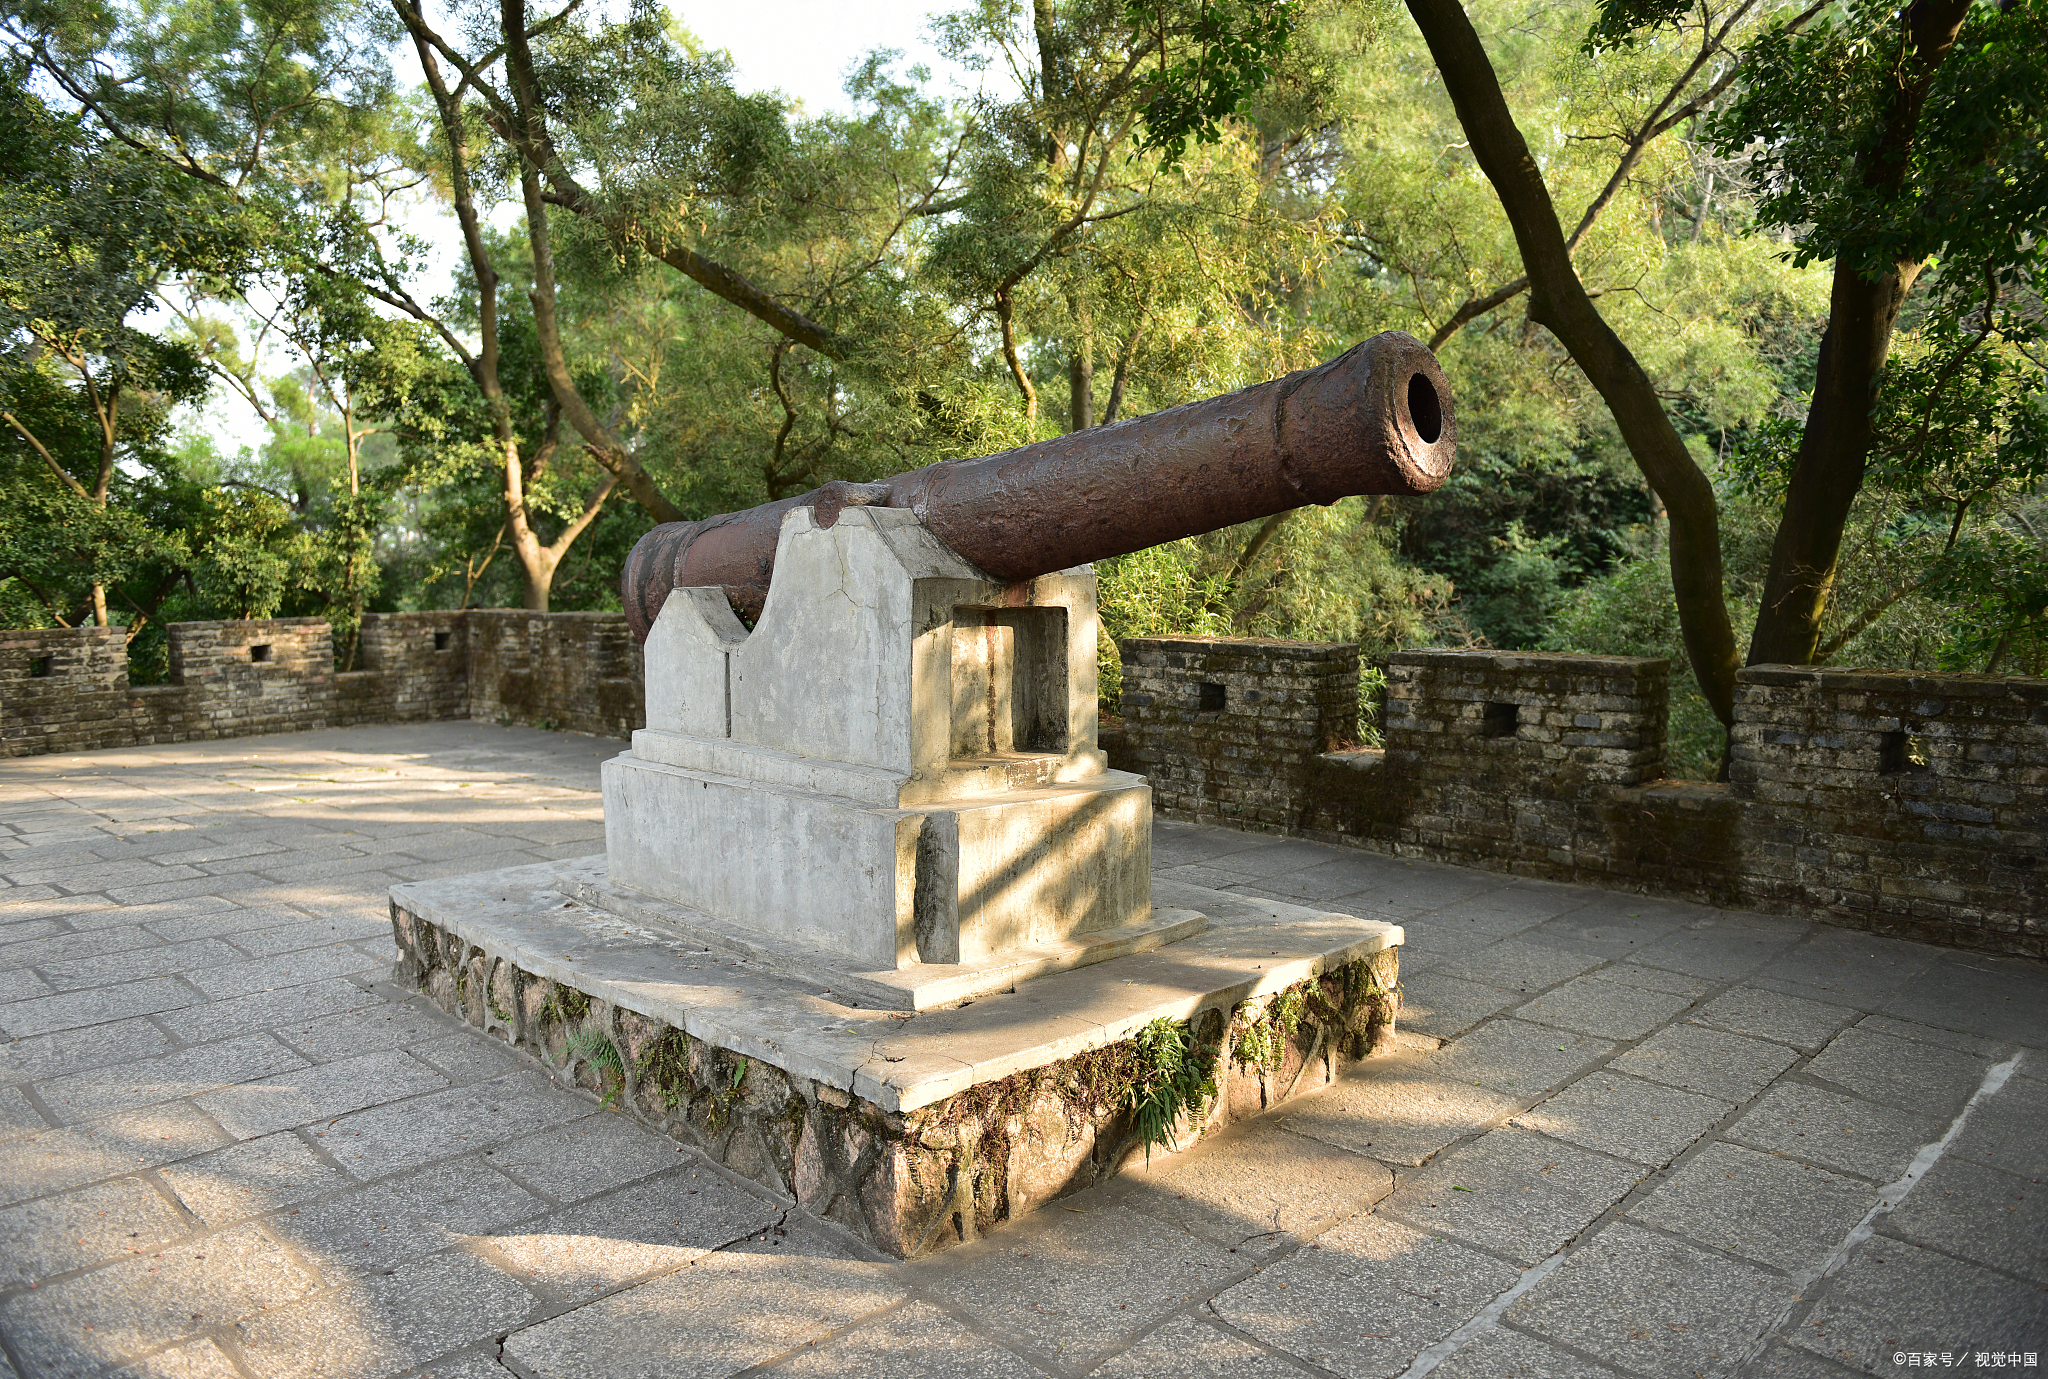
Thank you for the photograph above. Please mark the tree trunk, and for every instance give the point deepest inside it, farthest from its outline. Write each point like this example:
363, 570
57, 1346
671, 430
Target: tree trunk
1828, 471
604, 447
1558, 301
1862, 311
537, 580
1005, 317
1081, 367
536, 569
1081, 389
536, 562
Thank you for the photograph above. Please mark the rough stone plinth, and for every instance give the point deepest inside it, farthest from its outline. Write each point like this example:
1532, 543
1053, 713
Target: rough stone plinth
913, 1131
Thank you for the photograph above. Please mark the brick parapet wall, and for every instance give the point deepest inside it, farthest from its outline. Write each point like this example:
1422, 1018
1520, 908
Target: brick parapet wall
58, 686
1551, 766
579, 672
1463, 715
1919, 800
1227, 728
415, 667
1517, 758
67, 689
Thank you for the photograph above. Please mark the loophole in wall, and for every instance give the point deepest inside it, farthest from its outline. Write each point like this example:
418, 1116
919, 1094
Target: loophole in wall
1902, 754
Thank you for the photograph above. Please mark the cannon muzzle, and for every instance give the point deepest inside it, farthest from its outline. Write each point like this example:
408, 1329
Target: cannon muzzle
1377, 419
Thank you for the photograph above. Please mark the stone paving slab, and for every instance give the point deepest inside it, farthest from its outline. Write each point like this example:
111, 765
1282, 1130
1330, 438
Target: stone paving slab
1040, 1286
230, 1148
1516, 1194
1626, 1117
1654, 1304
646, 1229
1261, 1191
1792, 1215
1363, 1299
720, 1315
1404, 1114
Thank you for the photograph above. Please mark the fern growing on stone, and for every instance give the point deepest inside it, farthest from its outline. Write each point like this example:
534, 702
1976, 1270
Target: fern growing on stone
1173, 1074
596, 1048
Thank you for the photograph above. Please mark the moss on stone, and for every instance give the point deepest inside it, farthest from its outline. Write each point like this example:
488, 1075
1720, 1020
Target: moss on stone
665, 1067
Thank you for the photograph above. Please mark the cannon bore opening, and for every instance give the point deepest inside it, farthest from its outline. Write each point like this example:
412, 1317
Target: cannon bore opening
1425, 409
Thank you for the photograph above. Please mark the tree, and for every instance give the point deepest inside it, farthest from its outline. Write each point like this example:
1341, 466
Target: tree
1930, 148
1559, 301
1930, 152
1923, 160
288, 115
84, 230
1075, 234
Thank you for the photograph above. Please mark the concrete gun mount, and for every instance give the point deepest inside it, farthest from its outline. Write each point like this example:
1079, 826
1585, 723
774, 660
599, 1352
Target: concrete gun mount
891, 784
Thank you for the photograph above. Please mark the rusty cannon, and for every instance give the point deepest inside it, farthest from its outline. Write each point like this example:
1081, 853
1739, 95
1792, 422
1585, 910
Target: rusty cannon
871, 756
1377, 419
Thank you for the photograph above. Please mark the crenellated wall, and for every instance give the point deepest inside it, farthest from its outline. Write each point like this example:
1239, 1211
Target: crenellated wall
67, 690
1231, 727
1907, 804
1919, 798
580, 672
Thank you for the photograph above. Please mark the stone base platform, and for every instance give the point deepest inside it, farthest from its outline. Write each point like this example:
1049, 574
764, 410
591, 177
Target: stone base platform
911, 1130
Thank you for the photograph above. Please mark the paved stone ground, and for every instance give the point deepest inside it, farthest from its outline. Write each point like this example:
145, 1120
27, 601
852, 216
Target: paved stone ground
1622, 1136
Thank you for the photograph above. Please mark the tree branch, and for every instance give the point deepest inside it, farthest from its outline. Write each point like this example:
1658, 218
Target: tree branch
1005, 316
603, 445
1477, 307
62, 474
1122, 372
591, 507
1854, 628
1251, 550
1558, 301
531, 140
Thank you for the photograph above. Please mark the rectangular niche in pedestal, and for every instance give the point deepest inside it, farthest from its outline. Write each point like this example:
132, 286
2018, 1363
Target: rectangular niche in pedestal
1010, 688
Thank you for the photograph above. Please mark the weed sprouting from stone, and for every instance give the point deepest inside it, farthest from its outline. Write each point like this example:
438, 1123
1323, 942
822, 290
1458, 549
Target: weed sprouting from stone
491, 1000
596, 1048
1161, 1073
565, 1005
1175, 1075
723, 1099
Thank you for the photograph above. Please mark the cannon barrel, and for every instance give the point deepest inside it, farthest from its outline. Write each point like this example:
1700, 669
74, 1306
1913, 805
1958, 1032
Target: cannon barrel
1377, 419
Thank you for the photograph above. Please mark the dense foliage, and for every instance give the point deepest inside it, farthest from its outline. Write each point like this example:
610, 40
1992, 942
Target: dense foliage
567, 280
